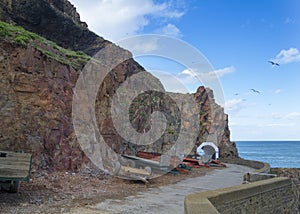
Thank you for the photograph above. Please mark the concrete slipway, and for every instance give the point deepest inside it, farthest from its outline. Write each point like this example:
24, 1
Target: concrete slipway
170, 199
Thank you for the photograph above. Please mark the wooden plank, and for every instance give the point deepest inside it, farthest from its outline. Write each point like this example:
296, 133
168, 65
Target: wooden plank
18, 163
14, 165
16, 154
149, 156
134, 177
151, 162
4, 160
16, 157
14, 174
135, 170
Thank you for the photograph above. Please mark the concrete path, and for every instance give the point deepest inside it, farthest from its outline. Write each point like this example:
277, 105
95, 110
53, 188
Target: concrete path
170, 199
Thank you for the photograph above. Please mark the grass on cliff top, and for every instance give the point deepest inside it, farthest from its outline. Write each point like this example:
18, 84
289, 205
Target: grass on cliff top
20, 36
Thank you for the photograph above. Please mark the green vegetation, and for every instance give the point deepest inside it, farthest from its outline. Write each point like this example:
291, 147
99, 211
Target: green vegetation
20, 36
17, 34
21, 39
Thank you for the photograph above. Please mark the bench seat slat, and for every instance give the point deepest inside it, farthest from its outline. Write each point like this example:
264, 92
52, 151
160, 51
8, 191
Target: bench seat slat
14, 165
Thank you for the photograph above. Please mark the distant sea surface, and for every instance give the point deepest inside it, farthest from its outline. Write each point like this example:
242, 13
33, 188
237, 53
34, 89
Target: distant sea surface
282, 154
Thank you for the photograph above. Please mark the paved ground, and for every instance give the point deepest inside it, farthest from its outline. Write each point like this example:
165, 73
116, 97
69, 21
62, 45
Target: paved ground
170, 199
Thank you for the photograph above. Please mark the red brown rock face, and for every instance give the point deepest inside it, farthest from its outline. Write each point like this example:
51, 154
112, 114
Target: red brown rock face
36, 96
36, 104
214, 121
36, 92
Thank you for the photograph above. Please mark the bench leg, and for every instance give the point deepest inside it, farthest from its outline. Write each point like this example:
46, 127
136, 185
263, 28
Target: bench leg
14, 186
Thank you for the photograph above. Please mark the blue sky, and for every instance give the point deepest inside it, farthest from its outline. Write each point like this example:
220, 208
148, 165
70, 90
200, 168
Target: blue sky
238, 38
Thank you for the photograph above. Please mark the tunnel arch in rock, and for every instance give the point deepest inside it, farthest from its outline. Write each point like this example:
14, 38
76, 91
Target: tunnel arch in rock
209, 148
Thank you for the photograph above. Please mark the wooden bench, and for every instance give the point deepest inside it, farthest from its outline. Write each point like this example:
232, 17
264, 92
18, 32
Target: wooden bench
14, 168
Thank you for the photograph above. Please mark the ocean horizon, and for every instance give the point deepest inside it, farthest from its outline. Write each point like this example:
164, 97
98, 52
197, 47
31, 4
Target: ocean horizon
279, 154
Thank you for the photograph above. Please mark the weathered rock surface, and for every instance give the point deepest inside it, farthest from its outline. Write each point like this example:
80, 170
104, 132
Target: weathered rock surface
214, 123
36, 96
36, 91
56, 20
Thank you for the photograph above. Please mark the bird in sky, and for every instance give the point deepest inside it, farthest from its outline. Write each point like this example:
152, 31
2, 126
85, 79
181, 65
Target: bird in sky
274, 63
255, 91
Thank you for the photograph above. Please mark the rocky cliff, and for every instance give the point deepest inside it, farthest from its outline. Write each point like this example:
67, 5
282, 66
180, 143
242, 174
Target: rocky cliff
213, 122
37, 81
56, 20
36, 90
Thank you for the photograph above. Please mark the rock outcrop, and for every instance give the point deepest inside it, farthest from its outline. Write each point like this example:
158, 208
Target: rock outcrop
55, 20
37, 81
214, 123
36, 95
36, 91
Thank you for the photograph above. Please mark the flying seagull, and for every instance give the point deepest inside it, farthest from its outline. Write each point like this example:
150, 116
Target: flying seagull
255, 91
274, 63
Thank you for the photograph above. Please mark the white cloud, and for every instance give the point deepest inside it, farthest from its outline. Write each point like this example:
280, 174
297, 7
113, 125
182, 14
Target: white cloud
224, 71
207, 75
171, 83
140, 45
116, 19
278, 91
188, 72
277, 125
170, 30
233, 105
288, 116
192, 79
276, 116
293, 116
189, 80
287, 56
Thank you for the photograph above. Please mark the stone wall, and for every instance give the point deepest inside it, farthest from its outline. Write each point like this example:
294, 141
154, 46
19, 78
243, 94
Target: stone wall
269, 196
260, 167
294, 175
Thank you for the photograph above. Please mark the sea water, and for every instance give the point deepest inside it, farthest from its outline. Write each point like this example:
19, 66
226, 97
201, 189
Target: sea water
283, 154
